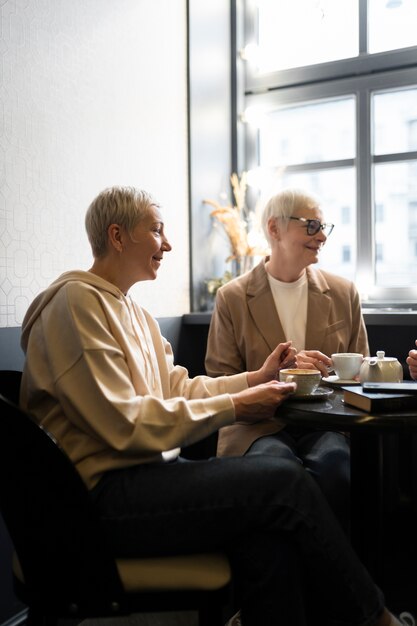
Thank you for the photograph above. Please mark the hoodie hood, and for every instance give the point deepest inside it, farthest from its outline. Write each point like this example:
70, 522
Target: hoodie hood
41, 301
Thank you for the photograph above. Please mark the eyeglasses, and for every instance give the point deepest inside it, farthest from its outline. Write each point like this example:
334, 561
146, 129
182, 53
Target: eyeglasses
313, 226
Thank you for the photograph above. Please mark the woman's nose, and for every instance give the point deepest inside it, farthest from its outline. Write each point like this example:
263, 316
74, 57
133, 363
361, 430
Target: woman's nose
166, 246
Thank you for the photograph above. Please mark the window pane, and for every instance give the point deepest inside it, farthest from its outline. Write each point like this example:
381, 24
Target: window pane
325, 30
395, 121
309, 133
337, 191
392, 24
396, 233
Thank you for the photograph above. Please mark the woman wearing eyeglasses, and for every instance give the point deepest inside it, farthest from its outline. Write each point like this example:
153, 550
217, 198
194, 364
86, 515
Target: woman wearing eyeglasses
286, 298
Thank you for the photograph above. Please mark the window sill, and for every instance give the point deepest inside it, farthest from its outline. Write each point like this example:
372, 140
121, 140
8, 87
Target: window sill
390, 317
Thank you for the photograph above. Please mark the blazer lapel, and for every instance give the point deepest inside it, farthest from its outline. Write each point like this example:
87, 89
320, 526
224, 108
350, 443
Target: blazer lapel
262, 307
318, 309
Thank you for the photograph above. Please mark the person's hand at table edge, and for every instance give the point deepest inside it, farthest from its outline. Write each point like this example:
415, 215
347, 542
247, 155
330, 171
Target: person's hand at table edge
260, 402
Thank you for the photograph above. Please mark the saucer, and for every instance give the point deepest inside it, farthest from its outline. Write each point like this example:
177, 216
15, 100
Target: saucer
318, 394
335, 381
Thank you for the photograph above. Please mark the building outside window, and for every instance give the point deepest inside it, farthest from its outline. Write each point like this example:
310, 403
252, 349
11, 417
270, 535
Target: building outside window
346, 254
330, 105
345, 215
379, 213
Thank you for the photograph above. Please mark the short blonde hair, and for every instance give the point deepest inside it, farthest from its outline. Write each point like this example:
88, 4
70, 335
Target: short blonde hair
125, 206
284, 204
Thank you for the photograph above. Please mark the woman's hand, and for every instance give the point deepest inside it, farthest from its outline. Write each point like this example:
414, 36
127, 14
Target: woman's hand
313, 360
259, 403
283, 356
411, 361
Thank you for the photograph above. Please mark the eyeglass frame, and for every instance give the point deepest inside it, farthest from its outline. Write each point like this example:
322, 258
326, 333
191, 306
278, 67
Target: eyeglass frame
320, 226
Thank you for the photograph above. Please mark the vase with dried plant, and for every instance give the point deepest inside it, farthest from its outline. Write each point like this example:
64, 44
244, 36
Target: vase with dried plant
236, 220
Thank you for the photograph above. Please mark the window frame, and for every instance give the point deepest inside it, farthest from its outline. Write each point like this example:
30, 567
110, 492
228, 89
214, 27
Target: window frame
363, 64
359, 76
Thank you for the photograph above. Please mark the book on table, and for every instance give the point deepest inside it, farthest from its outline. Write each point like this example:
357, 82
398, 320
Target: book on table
406, 386
378, 401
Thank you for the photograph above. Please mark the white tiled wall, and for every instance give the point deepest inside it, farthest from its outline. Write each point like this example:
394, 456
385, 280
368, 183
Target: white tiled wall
92, 93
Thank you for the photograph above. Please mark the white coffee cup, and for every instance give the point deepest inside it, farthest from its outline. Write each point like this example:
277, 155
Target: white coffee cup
307, 380
347, 364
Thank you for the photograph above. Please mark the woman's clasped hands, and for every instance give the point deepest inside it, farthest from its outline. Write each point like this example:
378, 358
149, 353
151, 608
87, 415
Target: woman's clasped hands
265, 392
313, 360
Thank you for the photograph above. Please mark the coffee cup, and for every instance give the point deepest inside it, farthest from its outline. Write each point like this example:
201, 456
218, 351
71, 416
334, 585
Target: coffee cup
347, 364
307, 380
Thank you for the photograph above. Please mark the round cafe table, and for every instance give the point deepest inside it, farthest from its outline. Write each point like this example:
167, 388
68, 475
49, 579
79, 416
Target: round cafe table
368, 479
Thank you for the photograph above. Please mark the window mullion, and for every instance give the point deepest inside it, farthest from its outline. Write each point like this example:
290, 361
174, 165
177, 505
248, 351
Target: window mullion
363, 27
365, 229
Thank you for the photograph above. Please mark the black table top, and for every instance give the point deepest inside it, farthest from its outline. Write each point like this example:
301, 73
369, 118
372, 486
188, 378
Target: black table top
333, 414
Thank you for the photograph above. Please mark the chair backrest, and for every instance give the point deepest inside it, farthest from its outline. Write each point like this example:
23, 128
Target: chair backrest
65, 561
10, 384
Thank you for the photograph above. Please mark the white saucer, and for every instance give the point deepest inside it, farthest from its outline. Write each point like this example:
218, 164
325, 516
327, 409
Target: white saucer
335, 381
318, 394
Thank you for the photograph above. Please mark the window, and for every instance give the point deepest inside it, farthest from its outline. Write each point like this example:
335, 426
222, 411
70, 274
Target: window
338, 116
346, 255
327, 33
379, 252
379, 213
391, 24
345, 215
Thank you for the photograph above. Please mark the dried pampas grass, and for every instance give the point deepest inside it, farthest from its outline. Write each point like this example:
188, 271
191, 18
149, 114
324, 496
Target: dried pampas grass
234, 220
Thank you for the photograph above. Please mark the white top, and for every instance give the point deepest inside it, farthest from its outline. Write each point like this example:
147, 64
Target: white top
291, 304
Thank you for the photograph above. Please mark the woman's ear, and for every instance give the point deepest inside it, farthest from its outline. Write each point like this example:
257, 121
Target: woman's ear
274, 229
114, 233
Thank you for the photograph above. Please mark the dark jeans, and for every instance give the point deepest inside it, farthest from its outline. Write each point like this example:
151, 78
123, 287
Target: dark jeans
267, 514
325, 455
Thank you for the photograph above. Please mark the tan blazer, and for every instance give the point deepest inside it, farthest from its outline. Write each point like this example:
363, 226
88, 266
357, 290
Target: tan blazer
245, 328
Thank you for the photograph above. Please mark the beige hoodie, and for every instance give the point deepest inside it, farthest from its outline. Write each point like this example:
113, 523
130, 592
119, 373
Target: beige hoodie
101, 378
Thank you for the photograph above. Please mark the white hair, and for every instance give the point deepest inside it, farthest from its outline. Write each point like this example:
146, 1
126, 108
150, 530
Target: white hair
283, 205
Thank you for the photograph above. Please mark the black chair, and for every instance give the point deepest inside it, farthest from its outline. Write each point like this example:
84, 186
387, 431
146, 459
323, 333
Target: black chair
63, 566
10, 384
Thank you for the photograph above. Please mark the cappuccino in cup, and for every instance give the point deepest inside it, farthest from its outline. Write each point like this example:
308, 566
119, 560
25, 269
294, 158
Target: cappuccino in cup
307, 380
